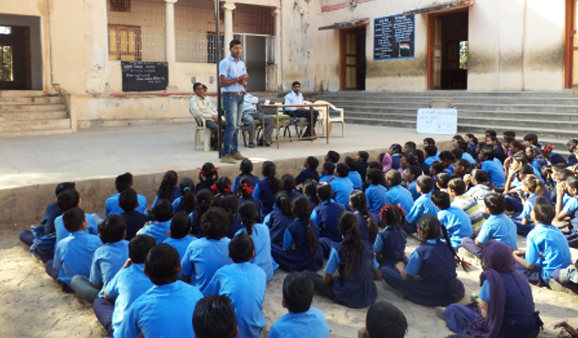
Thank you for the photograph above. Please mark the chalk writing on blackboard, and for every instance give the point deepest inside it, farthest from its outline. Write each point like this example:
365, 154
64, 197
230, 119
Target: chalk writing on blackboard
437, 121
393, 37
144, 76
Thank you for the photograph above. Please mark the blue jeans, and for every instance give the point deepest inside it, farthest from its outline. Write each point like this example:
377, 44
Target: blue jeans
233, 105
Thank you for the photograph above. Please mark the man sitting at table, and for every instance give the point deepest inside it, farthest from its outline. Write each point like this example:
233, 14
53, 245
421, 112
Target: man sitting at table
201, 107
295, 97
250, 114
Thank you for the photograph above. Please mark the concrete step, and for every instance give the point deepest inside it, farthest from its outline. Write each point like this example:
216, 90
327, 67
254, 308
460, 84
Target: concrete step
27, 125
22, 108
456, 100
449, 93
54, 99
33, 133
21, 93
42, 115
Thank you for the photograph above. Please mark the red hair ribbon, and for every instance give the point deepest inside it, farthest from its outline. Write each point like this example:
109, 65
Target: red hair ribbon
548, 149
202, 171
214, 187
384, 209
227, 190
247, 188
401, 211
215, 169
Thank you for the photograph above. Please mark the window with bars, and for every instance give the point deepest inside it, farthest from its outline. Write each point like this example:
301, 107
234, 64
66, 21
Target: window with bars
124, 43
120, 5
212, 48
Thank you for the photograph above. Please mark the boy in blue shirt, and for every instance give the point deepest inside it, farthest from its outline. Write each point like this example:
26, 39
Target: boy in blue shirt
106, 261
456, 221
67, 200
410, 176
353, 175
123, 182
327, 171
302, 320
166, 309
341, 185
128, 284
396, 193
432, 154
133, 219
244, 283
159, 230
214, 317
498, 226
422, 206
492, 166
332, 156
179, 235
362, 158
375, 192
73, 255
309, 172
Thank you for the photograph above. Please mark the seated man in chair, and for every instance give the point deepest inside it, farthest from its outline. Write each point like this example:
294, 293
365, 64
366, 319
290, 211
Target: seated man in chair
250, 114
295, 97
201, 107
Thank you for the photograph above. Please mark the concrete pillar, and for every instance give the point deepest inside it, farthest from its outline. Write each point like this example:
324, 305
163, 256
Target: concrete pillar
170, 45
228, 7
277, 15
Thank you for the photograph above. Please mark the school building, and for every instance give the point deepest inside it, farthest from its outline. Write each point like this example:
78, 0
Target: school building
68, 64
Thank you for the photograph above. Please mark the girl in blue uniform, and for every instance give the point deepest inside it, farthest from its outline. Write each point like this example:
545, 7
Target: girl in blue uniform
389, 245
288, 183
430, 277
266, 189
246, 168
204, 200
168, 188
568, 208
230, 204
278, 220
367, 221
357, 267
533, 187
245, 190
187, 200
221, 188
310, 191
208, 175
300, 249
325, 215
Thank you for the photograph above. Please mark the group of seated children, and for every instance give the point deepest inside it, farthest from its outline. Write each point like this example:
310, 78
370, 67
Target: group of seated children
224, 237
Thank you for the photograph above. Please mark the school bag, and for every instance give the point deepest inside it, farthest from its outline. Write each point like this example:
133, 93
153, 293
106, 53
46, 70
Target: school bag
44, 245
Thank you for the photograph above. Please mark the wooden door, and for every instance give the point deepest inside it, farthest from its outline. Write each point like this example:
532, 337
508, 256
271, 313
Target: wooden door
571, 61
434, 61
350, 60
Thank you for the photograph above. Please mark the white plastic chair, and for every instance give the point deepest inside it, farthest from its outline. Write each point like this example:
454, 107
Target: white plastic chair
202, 133
324, 114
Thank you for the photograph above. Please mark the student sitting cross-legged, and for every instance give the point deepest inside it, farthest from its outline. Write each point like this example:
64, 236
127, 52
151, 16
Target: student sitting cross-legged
325, 216
133, 219
244, 283
302, 320
215, 317
389, 246
456, 221
66, 200
180, 233
422, 206
159, 229
106, 261
167, 308
123, 182
126, 286
278, 220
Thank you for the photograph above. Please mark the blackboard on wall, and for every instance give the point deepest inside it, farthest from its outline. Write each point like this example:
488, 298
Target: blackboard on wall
140, 76
393, 37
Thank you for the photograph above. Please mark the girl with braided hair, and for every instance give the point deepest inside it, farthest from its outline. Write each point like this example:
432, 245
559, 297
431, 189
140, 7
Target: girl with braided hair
389, 245
367, 220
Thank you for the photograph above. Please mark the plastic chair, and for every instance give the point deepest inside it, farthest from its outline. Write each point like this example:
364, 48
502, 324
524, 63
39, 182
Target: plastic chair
202, 133
441, 103
324, 113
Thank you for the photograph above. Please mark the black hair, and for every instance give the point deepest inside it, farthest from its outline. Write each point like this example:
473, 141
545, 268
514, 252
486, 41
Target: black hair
411, 145
312, 162
187, 187
391, 215
68, 199
415, 171
310, 190
298, 292
295, 83
123, 182
431, 150
246, 167
180, 225
457, 153
283, 203
480, 176
442, 180
162, 264
234, 43
301, 208
197, 84
495, 203
342, 169
532, 138
393, 177
64, 186
329, 168
112, 229
458, 138
520, 157
214, 317
517, 144
363, 155
230, 204
374, 176
241, 248
324, 191
170, 180
563, 175
473, 137
73, 219
352, 244
351, 163
222, 186
420, 155
288, 183
358, 202
441, 199
534, 184
447, 156
215, 223
464, 164
458, 186
412, 159
384, 320
375, 165
489, 152
491, 133
208, 170
463, 146
203, 199
245, 187
139, 247
429, 141
425, 183
333, 156
128, 200
509, 133
396, 147
436, 167
269, 170
431, 227
572, 182
163, 210
544, 212
248, 215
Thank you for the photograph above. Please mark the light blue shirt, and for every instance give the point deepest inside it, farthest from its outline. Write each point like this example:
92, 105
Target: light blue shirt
164, 311
112, 208
458, 224
73, 255
326, 178
292, 98
126, 287
527, 210
231, 69
399, 195
244, 284
428, 161
310, 323
421, 206
413, 190
262, 242
570, 205
158, 231
355, 178
61, 232
203, 258
342, 188
249, 102
547, 247
375, 194
106, 262
468, 157
181, 244
501, 228
495, 172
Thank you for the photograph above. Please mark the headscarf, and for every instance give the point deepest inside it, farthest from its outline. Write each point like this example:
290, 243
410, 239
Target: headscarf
386, 162
497, 258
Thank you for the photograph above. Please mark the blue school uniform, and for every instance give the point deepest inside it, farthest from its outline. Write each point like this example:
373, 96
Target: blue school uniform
325, 215
312, 202
501, 228
413, 190
390, 243
396, 161
355, 291
203, 257
293, 194
458, 224
277, 222
204, 184
235, 186
244, 284
307, 174
469, 158
164, 311
51, 212
435, 281
342, 188
180, 244
175, 192
235, 226
472, 146
362, 169
73, 255
134, 221
326, 178
106, 262
362, 225
422, 206
301, 258
547, 248
495, 172
61, 232
178, 205
375, 194
111, 206
158, 231
355, 178
262, 243
450, 170
310, 323
429, 160
266, 195
571, 209
126, 287
255, 201
525, 214
399, 195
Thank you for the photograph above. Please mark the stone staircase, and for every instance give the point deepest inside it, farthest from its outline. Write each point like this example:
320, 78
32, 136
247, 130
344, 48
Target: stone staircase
553, 116
32, 113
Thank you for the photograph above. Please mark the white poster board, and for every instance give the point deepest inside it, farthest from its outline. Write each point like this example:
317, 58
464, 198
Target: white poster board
437, 121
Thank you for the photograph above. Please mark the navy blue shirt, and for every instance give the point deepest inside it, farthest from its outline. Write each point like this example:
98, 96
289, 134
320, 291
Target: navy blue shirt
134, 222
52, 211
307, 174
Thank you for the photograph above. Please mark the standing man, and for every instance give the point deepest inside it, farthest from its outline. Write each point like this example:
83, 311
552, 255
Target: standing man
295, 97
250, 114
200, 106
232, 79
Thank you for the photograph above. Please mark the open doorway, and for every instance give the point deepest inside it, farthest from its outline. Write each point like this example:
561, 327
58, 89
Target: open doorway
353, 64
448, 43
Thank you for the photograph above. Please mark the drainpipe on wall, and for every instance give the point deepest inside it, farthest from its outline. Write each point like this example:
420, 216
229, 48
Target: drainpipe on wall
50, 46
